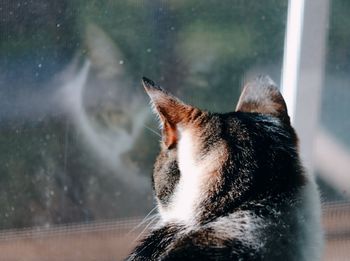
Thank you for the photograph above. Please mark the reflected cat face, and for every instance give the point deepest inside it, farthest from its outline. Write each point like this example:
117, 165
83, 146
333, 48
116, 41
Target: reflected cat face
213, 163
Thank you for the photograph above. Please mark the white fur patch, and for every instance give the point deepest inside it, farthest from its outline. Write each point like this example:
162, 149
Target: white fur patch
241, 225
194, 173
182, 205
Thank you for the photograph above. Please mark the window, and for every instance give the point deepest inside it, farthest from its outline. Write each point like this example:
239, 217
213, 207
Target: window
78, 140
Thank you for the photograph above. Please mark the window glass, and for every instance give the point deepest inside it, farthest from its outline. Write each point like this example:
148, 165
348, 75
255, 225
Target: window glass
334, 121
77, 137
75, 125
332, 147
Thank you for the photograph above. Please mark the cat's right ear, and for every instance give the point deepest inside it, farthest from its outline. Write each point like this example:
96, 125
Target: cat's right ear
262, 96
169, 109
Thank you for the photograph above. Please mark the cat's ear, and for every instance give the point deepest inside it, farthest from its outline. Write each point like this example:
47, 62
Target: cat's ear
263, 96
170, 110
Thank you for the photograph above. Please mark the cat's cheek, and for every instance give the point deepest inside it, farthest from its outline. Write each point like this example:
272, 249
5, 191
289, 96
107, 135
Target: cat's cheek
165, 177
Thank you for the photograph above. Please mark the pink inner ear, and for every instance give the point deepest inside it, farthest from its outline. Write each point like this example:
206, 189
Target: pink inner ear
171, 112
169, 135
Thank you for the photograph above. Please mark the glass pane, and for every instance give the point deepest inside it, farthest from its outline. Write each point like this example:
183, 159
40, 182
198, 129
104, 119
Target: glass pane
333, 140
335, 106
78, 139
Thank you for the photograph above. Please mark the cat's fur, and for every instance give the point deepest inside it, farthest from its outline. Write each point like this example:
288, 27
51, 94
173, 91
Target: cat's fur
230, 186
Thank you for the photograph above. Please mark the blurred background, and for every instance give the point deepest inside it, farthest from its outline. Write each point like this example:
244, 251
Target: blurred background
77, 137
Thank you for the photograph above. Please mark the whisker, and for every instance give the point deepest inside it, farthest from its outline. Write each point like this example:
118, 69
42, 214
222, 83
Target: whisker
146, 227
152, 130
145, 219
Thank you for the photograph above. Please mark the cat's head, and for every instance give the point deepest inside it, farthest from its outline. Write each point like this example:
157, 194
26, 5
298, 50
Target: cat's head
213, 163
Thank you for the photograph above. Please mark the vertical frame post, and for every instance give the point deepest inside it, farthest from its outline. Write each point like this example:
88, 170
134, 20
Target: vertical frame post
303, 69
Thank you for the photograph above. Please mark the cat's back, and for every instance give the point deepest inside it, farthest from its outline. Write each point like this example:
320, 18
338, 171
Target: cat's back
287, 229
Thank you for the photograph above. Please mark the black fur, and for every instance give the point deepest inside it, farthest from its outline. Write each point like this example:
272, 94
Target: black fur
263, 163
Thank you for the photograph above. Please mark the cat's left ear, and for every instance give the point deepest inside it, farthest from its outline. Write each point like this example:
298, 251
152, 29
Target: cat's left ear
170, 110
263, 96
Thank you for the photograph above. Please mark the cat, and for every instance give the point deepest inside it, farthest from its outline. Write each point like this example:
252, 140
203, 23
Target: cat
230, 186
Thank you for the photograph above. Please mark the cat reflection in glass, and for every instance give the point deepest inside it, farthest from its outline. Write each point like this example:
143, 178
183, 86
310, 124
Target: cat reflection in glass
230, 186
